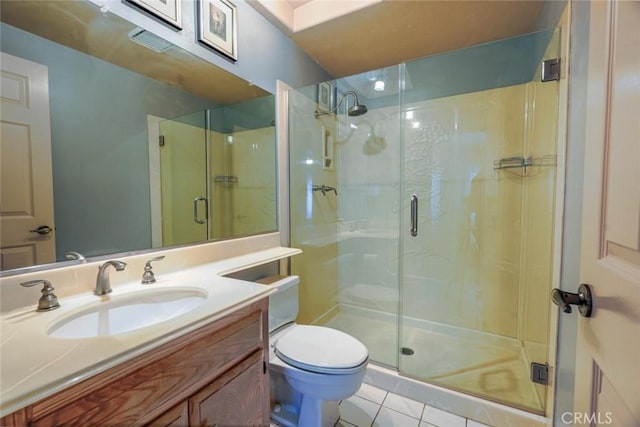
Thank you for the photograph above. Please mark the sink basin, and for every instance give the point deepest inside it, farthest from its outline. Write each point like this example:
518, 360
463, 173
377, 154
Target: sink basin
126, 313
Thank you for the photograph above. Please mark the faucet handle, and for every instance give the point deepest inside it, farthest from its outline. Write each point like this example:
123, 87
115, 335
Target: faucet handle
148, 276
48, 300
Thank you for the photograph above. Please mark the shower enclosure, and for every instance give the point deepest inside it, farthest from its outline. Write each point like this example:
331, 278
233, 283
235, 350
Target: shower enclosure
427, 223
216, 173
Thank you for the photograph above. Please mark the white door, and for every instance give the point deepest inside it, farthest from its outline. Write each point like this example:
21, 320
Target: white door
26, 185
608, 348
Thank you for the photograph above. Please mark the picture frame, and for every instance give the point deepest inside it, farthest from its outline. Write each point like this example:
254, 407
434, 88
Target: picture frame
218, 26
168, 11
325, 96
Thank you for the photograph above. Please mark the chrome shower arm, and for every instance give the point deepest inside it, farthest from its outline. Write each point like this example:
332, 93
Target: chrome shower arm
317, 113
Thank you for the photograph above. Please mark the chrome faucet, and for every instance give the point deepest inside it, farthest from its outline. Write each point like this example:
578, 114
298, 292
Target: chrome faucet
74, 255
103, 286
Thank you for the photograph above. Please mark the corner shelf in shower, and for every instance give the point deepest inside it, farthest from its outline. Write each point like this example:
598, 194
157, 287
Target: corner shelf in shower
520, 165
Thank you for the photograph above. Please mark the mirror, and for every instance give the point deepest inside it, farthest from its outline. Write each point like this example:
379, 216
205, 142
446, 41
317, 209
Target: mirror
142, 144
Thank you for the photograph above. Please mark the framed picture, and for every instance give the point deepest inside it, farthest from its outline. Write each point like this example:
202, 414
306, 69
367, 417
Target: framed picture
325, 96
165, 10
218, 26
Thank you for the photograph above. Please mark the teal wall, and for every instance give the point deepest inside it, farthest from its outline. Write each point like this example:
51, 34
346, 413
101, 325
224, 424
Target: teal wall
99, 120
492, 65
255, 113
99, 144
486, 66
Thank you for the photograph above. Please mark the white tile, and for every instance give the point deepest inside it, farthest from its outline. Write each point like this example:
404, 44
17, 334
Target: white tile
388, 417
442, 418
358, 411
423, 424
343, 423
471, 423
402, 404
371, 393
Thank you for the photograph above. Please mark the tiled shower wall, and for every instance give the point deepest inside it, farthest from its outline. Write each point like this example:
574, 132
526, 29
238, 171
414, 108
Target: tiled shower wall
482, 259
255, 199
248, 205
463, 268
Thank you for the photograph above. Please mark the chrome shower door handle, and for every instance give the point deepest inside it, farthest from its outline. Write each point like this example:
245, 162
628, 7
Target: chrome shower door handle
414, 215
206, 210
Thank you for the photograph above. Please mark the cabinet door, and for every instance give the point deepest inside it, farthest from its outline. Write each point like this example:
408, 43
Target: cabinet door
178, 416
234, 399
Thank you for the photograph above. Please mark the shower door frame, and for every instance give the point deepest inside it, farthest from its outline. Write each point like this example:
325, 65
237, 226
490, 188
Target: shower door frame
285, 204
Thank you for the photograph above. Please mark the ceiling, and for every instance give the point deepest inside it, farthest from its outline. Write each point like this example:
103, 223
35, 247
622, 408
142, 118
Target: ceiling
345, 37
388, 32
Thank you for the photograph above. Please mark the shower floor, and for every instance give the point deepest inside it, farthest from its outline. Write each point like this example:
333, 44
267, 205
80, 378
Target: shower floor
485, 365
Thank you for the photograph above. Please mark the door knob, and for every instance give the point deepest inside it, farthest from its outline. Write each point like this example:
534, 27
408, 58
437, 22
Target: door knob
582, 299
43, 229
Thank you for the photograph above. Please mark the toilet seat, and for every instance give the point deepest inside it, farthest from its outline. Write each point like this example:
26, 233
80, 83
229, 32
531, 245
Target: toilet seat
320, 349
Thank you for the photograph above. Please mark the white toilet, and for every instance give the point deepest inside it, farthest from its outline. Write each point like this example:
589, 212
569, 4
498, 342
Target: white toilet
312, 367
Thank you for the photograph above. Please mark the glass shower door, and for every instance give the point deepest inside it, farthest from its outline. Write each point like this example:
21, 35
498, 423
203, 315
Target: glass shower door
477, 224
183, 180
344, 182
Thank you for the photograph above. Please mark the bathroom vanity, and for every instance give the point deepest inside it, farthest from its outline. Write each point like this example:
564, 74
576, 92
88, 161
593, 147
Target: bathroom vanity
204, 365
213, 375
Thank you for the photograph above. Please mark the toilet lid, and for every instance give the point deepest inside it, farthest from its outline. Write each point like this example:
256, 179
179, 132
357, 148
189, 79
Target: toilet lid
320, 349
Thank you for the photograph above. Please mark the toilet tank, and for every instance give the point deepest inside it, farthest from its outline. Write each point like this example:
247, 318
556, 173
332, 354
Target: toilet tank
283, 303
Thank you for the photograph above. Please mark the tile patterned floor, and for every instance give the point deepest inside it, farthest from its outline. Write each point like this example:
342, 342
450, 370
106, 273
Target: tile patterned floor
374, 407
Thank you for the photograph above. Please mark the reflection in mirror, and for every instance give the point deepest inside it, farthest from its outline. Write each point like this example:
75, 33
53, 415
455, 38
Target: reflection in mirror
216, 181
121, 148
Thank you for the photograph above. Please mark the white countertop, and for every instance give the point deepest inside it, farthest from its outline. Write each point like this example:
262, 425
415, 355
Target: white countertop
34, 365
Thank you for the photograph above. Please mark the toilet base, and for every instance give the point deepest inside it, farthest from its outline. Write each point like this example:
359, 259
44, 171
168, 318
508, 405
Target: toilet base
313, 413
318, 413
284, 416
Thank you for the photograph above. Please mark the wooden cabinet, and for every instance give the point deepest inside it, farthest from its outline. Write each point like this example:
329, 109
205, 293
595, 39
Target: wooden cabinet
175, 417
233, 400
214, 375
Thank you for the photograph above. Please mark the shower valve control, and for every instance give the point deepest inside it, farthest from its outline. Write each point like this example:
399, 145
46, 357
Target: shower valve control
582, 299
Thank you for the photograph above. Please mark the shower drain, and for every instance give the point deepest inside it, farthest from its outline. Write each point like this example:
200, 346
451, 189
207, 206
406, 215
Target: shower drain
406, 351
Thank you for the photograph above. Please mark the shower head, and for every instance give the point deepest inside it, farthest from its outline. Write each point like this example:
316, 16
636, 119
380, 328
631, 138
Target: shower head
374, 144
356, 110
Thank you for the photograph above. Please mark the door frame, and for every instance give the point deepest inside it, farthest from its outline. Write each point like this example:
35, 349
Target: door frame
155, 190
561, 195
